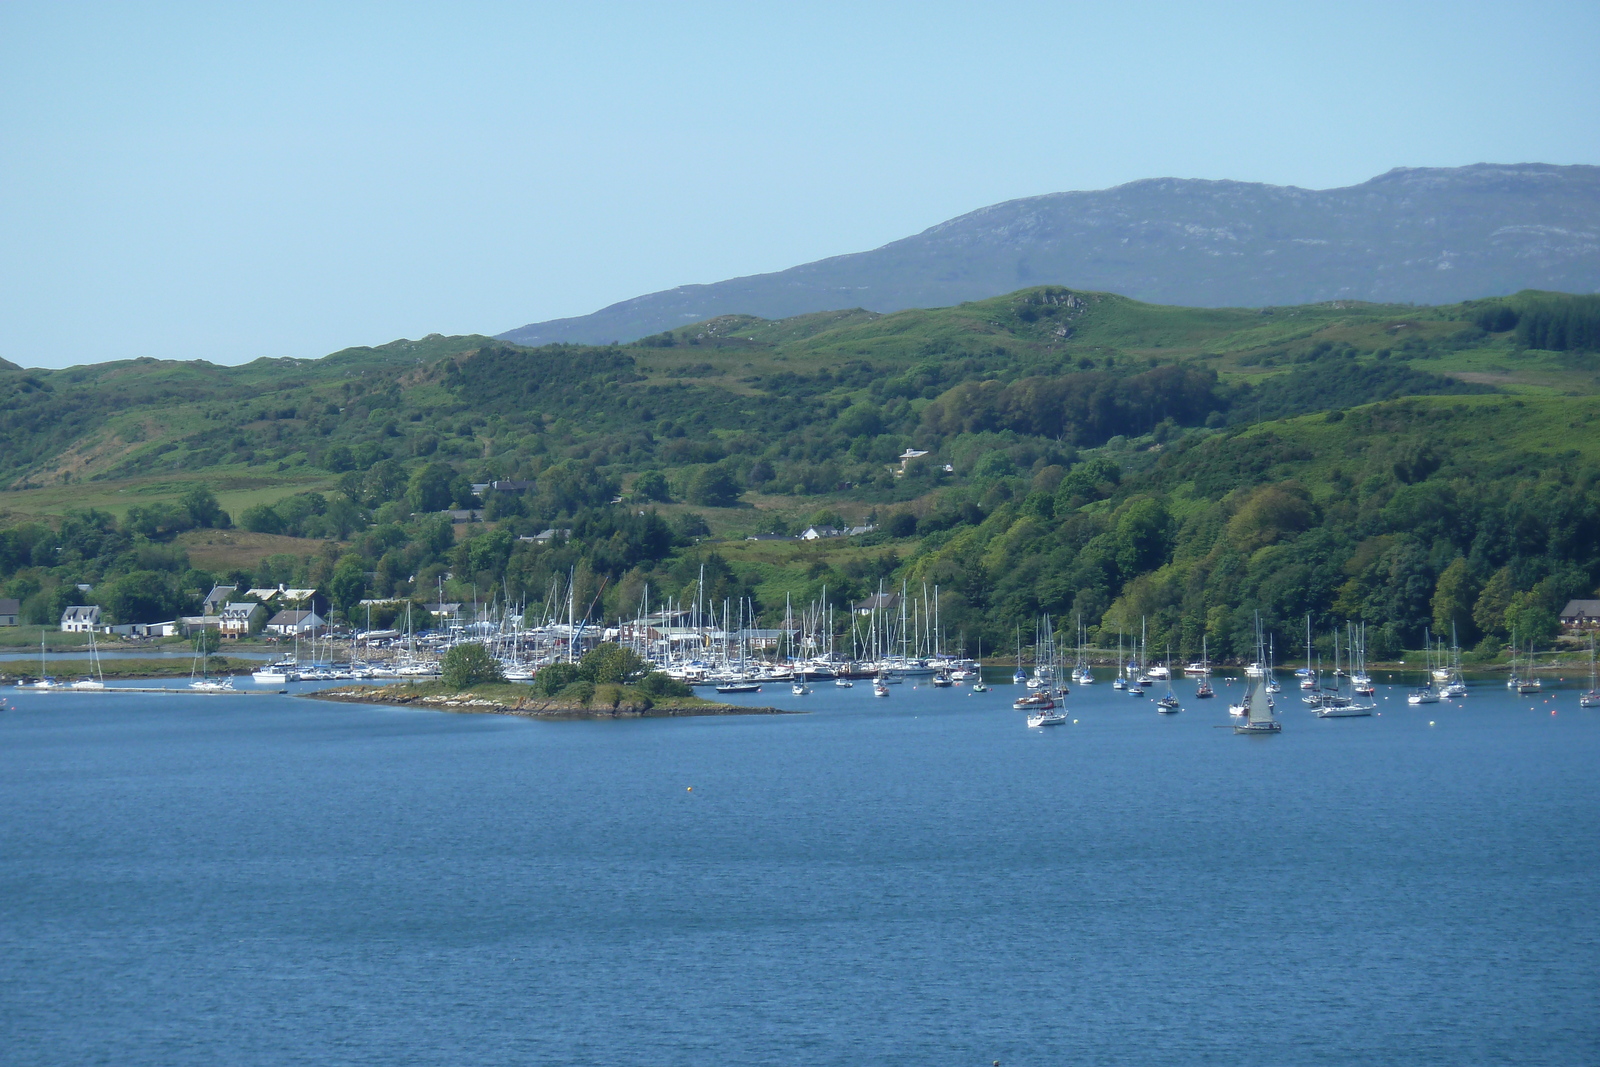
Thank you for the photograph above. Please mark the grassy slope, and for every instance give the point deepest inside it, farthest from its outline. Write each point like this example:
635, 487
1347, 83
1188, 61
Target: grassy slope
159, 403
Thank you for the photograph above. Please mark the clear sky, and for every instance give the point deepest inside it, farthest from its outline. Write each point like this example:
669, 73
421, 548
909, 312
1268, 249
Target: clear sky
227, 181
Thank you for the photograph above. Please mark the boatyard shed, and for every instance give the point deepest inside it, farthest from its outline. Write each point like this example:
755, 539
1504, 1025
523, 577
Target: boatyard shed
80, 619
1581, 615
10, 611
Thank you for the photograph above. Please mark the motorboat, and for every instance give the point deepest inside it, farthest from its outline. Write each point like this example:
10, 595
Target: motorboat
844, 683
1034, 702
739, 687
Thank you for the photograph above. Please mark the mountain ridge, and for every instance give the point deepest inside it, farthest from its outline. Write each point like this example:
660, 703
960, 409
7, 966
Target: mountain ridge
1411, 235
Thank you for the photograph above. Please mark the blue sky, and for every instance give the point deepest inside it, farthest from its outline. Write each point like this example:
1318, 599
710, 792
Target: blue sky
228, 181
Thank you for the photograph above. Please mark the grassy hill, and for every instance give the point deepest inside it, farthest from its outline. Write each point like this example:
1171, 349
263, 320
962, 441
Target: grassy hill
1050, 417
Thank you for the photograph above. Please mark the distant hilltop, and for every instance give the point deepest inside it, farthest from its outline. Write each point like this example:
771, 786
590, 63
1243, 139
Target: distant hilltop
1413, 235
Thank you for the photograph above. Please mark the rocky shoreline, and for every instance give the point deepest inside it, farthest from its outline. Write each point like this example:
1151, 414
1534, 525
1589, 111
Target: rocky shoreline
531, 706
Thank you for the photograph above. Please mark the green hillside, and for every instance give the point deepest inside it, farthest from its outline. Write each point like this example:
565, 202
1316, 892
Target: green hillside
1049, 417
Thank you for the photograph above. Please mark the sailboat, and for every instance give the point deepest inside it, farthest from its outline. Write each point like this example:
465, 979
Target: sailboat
1591, 699
1425, 693
1530, 684
1121, 681
1046, 717
1361, 681
96, 678
1257, 717
1339, 704
1455, 686
1512, 681
1020, 677
205, 683
977, 671
1083, 674
1203, 690
44, 681
1168, 704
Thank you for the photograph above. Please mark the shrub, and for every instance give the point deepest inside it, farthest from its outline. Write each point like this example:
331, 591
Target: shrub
611, 663
578, 693
657, 684
469, 664
555, 677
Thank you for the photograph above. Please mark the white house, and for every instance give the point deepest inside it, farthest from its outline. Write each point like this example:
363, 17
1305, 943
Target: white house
816, 533
241, 619
80, 619
295, 622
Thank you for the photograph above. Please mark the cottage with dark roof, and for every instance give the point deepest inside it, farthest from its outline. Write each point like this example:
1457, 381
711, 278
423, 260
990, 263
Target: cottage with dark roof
10, 611
1581, 615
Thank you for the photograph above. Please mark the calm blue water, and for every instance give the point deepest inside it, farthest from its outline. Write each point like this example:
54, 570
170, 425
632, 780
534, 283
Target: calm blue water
918, 880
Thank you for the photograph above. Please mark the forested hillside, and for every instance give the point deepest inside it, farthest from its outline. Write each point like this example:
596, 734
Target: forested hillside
1086, 455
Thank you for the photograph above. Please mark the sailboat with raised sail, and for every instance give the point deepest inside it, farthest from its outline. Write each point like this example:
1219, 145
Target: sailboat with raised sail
1257, 717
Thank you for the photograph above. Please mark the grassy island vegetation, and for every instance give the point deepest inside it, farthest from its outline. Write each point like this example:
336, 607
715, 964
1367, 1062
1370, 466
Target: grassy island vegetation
1085, 454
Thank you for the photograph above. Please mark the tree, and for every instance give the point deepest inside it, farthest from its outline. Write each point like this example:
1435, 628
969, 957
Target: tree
1144, 535
207, 640
1489, 612
261, 518
349, 583
612, 664
1453, 601
651, 485
142, 596
201, 504
469, 664
713, 487
1530, 619
430, 488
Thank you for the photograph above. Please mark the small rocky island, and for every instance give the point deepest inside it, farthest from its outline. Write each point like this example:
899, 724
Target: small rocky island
504, 698
611, 682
